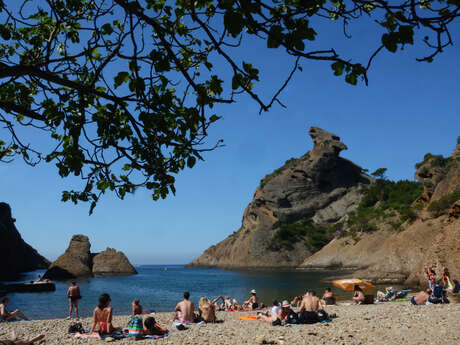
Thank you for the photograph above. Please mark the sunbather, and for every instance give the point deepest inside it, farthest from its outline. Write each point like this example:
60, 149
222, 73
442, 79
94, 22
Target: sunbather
151, 327
456, 286
15, 341
297, 301
328, 297
185, 310
253, 302
136, 307
271, 315
387, 295
207, 310
102, 316
10, 315
421, 298
358, 296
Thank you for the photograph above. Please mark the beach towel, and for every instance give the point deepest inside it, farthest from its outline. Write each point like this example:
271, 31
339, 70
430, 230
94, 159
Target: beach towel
157, 336
248, 318
135, 327
87, 335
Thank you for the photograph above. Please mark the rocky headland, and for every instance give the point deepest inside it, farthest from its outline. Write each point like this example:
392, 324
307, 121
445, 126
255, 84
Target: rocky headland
322, 211
78, 261
16, 256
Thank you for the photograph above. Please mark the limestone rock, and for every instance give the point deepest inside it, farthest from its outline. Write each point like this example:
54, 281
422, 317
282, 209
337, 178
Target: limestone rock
111, 262
75, 262
320, 186
15, 255
454, 211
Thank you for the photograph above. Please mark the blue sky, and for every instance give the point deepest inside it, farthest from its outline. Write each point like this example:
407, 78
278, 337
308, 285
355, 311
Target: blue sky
407, 110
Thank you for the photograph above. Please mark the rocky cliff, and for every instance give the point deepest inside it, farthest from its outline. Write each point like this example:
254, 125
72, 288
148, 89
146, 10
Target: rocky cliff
295, 210
78, 261
15, 255
431, 238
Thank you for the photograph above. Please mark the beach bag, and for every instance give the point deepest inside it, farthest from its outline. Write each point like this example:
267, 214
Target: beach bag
135, 326
292, 318
76, 328
322, 315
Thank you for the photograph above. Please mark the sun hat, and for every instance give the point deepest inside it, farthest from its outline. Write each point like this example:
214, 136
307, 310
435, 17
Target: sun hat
253, 291
286, 304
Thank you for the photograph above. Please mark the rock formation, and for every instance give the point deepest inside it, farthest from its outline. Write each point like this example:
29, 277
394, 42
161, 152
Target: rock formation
75, 262
317, 189
15, 255
432, 239
111, 262
78, 261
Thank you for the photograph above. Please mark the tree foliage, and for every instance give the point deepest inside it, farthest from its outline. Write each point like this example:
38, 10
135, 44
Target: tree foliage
125, 89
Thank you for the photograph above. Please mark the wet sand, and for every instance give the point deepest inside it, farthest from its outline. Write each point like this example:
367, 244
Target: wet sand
383, 323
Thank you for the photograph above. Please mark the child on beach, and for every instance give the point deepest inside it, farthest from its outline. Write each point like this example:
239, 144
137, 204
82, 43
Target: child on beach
102, 316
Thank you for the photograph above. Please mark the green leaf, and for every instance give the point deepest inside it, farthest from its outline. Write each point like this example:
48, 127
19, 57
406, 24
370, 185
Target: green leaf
338, 68
275, 36
191, 161
233, 22
122, 77
107, 29
351, 79
214, 118
406, 34
390, 42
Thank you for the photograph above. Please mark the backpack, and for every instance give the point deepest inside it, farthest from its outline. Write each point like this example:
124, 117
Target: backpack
135, 326
292, 318
322, 315
277, 322
76, 328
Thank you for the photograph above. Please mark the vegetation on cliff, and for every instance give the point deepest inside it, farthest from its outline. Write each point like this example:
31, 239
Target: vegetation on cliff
289, 164
442, 206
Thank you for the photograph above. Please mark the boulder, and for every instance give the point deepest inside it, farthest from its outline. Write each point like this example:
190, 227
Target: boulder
15, 255
111, 262
75, 262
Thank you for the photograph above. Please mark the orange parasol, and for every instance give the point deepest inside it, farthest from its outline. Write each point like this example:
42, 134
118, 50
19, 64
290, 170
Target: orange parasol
349, 284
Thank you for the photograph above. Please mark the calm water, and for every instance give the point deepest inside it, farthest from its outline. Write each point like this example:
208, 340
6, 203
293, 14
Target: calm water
161, 289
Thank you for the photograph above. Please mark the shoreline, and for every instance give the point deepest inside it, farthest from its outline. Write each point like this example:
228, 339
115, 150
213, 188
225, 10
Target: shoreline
382, 323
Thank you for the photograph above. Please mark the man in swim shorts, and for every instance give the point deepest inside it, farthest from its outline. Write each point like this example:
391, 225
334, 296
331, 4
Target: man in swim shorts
185, 310
74, 295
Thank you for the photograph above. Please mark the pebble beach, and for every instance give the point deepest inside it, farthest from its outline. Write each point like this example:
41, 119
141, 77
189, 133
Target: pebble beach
382, 323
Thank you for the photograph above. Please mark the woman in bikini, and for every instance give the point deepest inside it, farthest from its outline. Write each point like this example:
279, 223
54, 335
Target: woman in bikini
102, 316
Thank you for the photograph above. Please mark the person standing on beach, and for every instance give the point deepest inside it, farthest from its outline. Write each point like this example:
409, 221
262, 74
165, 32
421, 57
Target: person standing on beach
74, 295
185, 310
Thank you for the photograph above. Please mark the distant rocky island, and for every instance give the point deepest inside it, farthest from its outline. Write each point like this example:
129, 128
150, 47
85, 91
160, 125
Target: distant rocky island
16, 256
323, 211
78, 261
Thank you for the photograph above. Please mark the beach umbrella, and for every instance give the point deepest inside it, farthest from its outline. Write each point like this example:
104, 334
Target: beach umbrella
349, 284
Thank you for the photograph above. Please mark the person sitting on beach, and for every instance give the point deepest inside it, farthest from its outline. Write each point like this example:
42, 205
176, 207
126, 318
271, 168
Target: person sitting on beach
236, 306
151, 327
358, 296
431, 274
10, 316
253, 302
16, 341
310, 302
285, 310
421, 298
136, 307
185, 310
438, 295
446, 278
227, 303
456, 286
102, 316
389, 294
296, 301
271, 315
207, 310
74, 295
328, 297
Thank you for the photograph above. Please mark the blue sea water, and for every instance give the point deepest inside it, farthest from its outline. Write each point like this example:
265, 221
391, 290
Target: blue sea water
160, 288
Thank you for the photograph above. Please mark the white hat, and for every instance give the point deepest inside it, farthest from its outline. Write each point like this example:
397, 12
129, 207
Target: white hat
253, 291
286, 304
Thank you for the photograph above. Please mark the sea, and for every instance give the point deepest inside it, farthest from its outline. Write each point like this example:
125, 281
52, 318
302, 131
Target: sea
161, 287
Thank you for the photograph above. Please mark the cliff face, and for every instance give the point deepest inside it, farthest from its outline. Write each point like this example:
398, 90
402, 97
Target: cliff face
15, 255
78, 261
432, 239
312, 192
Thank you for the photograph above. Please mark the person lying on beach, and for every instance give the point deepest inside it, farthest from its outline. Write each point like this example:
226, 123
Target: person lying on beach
102, 316
15, 341
253, 302
358, 296
185, 310
12, 315
328, 297
421, 298
136, 307
389, 294
207, 310
271, 315
151, 327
